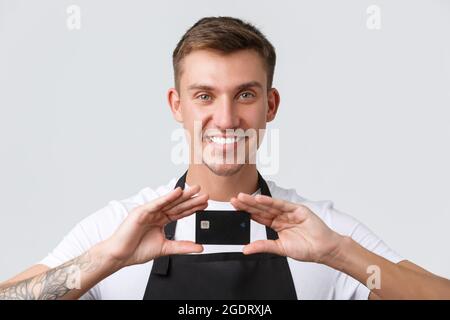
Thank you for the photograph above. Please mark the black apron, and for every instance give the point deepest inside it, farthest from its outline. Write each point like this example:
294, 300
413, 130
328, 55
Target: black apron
220, 276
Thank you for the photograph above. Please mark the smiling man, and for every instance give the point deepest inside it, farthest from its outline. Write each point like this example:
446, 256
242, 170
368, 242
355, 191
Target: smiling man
227, 96
144, 246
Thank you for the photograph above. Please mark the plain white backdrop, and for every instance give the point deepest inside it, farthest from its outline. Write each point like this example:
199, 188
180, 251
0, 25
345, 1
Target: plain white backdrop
364, 115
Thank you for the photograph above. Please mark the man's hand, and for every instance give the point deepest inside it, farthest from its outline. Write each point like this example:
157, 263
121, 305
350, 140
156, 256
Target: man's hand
140, 237
302, 235
305, 237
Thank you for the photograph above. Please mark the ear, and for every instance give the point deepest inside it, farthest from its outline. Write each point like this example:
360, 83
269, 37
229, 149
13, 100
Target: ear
273, 100
174, 103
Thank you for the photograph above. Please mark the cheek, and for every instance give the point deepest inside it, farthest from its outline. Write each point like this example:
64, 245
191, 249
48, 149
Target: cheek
194, 117
195, 113
254, 117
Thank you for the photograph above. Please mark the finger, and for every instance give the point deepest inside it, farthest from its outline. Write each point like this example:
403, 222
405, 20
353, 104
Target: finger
260, 246
251, 201
265, 218
180, 247
244, 205
262, 220
187, 194
252, 210
186, 205
162, 201
239, 205
278, 204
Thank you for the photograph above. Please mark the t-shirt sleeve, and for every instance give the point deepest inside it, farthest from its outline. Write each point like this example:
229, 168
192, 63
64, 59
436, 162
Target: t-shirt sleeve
75, 243
80, 239
346, 286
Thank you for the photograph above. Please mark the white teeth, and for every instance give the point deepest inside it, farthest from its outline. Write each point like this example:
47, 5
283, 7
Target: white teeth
221, 140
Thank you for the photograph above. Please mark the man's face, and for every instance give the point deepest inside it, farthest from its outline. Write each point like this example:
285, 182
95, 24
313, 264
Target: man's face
223, 102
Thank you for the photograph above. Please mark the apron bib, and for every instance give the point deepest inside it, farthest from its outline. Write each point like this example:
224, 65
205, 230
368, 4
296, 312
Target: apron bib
220, 276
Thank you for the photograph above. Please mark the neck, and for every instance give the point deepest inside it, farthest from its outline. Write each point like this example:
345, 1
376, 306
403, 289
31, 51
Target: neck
223, 188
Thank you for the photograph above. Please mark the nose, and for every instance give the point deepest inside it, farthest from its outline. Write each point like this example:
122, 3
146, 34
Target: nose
225, 114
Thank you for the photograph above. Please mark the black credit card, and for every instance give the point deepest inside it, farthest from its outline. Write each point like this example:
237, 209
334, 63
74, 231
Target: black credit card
222, 227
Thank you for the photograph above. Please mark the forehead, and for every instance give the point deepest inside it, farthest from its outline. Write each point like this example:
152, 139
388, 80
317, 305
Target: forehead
220, 70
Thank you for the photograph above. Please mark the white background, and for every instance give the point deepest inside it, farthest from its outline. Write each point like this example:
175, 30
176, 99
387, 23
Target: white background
364, 118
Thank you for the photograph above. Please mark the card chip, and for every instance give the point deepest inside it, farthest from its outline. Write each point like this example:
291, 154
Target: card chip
204, 224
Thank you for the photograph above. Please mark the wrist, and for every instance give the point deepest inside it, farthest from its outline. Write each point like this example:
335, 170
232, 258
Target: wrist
104, 255
337, 257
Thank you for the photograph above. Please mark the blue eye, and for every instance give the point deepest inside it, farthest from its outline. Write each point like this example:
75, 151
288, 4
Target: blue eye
247, 95
204, 97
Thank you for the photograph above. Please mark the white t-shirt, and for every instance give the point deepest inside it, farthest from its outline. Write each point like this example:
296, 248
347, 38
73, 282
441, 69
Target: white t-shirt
311, 280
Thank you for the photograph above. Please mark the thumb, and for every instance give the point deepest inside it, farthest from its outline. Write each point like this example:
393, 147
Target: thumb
259, 246
180, 247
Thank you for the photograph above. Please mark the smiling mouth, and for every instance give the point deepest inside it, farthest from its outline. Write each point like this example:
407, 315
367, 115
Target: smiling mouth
224, 140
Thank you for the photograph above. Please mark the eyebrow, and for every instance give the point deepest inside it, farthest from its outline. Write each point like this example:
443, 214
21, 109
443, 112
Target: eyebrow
247, 85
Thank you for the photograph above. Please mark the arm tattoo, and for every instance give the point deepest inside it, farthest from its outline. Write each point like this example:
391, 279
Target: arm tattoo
52, 284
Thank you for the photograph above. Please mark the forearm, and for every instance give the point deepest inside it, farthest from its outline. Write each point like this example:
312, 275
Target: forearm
396, 281
68, 281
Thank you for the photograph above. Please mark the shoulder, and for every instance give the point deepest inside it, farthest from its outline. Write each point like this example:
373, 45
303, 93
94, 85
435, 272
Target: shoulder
102, 223
145, 195
335, 219
339, 221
